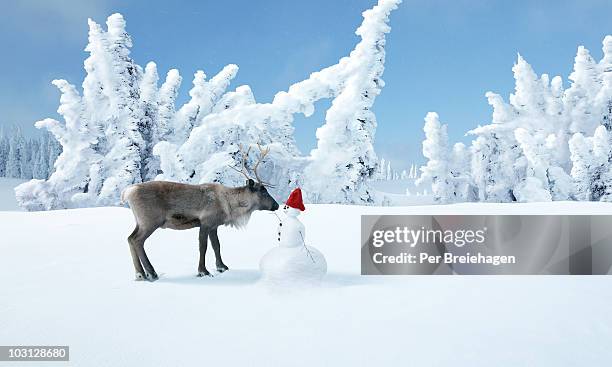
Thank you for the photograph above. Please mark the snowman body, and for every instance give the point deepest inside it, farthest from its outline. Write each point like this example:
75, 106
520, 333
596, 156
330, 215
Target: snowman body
292, 262
291, 231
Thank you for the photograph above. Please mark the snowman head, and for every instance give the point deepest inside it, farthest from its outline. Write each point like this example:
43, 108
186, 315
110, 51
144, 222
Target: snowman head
291, 212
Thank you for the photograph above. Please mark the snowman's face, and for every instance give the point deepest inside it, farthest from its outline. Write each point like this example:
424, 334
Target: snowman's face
291, 212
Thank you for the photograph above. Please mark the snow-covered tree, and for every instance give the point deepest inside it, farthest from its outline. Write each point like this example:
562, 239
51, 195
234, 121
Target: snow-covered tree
339, 168
601, 184
413, 171
560, 183
460, 178
382, 169
149, 104
4, 152
204, 95
55, 149
29, 156
15, 155
535, 185
547, 142
41, 164
435, 149
604, 97
591, 169
26, 159
581, 94
166, 107
493, 168
102, 143
72, 167
581, 166
528, 96
123, 162
345, 143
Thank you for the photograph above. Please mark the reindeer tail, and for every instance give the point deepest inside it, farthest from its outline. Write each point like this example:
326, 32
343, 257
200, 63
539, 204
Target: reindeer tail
125, 194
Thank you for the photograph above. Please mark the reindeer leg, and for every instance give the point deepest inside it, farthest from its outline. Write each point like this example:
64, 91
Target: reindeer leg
140, 274
203, 242
214, 240
139, 241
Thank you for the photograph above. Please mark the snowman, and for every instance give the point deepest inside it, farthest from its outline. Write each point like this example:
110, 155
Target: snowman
293, 262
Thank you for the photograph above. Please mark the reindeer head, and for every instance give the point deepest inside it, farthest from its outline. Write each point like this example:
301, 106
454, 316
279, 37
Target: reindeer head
262, 200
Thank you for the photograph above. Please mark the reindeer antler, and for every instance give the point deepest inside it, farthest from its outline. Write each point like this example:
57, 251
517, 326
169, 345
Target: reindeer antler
245, 169
262, 154
244, 156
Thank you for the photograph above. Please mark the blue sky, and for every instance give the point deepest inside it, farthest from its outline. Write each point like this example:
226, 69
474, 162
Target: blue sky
442, 55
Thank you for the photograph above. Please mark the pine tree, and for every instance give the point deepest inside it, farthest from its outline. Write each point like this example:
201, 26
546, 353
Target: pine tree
149, 104
413, 171
581, 157
13, 162
40, 160
29, 156
579, 97
72, 167
528, 96
166, 107
435, 149
604, 97
25, 159
459, 169
204, 95
600, 184
123, 164
382, 169
55, 149
534, 187
102, 145
491, 164
4, 152
345, 151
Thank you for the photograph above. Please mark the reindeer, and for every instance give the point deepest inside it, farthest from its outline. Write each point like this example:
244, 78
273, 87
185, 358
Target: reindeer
161, 204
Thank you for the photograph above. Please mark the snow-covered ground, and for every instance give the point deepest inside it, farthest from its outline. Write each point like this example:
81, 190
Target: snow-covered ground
66, 278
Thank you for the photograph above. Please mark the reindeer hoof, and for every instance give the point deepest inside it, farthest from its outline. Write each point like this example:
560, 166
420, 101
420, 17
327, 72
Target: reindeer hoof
139, 277
204, 273
151, 277
222, 268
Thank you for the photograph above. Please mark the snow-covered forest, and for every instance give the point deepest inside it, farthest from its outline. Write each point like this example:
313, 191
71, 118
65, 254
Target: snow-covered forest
26, 158
546, 143
386, 172
123, 127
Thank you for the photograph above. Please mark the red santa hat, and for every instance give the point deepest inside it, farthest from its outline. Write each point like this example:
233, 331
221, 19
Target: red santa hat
295, 200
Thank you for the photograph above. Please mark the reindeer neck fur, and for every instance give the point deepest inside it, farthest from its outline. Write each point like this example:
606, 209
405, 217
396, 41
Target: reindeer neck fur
238, 206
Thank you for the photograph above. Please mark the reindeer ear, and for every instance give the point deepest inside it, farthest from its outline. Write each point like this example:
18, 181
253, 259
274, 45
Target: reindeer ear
251, 183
